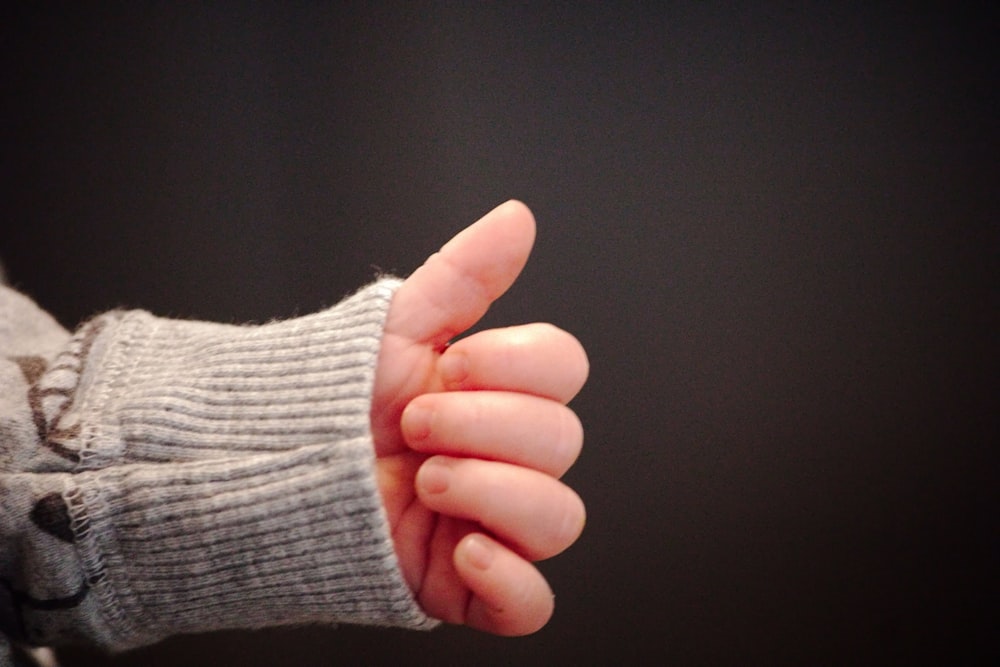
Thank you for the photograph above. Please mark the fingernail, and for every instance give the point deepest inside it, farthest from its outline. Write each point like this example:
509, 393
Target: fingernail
417, 421
454, 368
434, 477
479, 553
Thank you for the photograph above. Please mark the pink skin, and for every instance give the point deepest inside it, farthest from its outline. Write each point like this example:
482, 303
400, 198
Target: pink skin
471, 438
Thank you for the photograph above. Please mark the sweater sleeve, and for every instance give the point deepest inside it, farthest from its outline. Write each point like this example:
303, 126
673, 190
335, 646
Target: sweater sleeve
162, 476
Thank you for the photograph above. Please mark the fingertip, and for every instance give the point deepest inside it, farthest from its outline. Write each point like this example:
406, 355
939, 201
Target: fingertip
508, 234
512, 227
435, 476
569, 444
510, 597
415, 422
456, 285
517, 210
576, 363
575, 520
477, 551
577, 367
453, 367
584, 364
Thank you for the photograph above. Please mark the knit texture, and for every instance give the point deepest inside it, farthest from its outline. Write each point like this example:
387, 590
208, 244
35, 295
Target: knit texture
169, 476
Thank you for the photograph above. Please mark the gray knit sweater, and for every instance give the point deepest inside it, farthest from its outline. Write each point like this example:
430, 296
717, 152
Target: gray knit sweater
161, 476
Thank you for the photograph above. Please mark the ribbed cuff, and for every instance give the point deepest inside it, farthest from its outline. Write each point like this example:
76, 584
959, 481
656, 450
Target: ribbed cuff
230, 477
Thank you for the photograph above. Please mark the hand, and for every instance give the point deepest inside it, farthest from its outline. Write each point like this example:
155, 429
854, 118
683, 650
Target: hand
471, 438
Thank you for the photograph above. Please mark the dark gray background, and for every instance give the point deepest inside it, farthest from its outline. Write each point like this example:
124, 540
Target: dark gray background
774, 229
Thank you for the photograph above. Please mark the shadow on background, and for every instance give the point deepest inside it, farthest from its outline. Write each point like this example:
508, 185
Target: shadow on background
775, 230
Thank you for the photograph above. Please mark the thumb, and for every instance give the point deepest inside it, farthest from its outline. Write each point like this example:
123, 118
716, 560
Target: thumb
456, 285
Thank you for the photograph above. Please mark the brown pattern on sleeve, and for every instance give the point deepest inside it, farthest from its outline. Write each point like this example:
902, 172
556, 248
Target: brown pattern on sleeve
52, 391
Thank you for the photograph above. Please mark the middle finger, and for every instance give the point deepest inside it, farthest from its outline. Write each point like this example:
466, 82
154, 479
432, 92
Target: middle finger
502, 426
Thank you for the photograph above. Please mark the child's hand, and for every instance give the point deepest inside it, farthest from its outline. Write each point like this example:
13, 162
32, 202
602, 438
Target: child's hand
471, 439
